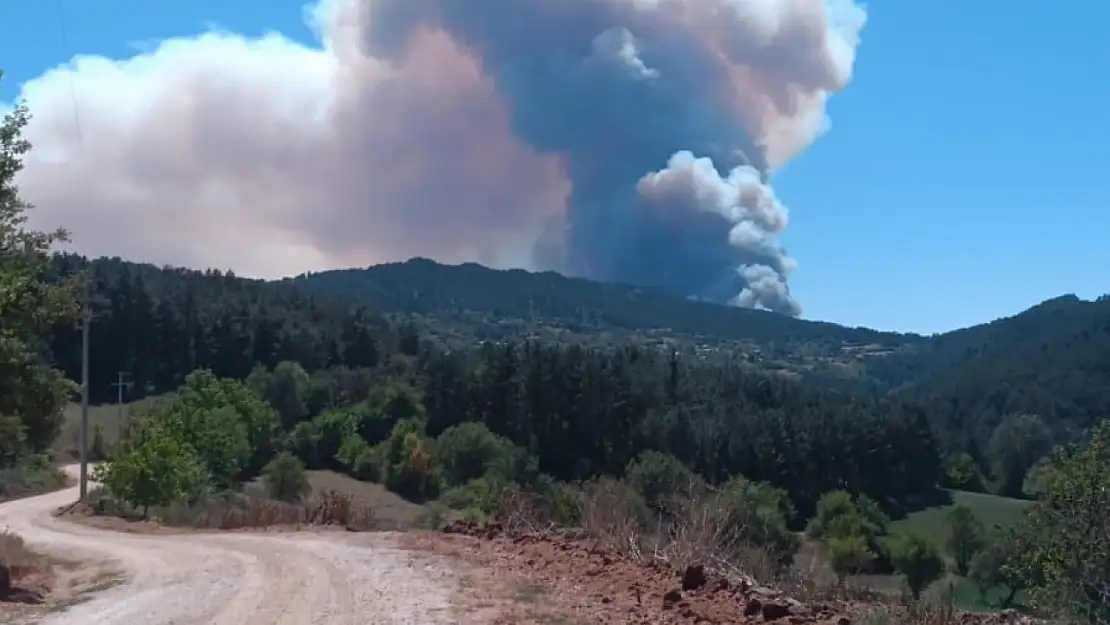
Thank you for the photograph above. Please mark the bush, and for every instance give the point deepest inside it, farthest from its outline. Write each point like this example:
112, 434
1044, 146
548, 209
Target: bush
658, 477
470, 450
406, 465
285, 478
917, 560
848, 556
485, 493
760, 515
359, 458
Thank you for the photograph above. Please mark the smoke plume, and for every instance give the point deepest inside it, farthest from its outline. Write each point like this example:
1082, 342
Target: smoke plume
623, 140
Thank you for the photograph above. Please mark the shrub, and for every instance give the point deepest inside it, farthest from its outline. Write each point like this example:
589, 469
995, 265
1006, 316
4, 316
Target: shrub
470, 450
658, 477
285, 478
917, 560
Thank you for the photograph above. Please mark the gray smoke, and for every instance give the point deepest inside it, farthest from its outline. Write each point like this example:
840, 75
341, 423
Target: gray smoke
661, 111
623, 140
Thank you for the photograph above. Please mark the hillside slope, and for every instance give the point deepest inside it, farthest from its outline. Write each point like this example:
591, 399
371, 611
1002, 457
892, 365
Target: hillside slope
469, 301
1052, 360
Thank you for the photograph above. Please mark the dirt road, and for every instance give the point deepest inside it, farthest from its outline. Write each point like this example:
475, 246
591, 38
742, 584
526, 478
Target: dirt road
240, 578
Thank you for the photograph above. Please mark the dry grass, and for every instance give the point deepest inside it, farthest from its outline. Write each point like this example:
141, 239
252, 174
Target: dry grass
245, 511
391, 511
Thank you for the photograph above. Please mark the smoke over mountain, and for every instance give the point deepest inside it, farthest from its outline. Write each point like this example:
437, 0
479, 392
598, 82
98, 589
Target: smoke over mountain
626, 140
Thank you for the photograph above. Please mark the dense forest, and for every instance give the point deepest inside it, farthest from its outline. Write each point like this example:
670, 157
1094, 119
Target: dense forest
1036, 377
578, 411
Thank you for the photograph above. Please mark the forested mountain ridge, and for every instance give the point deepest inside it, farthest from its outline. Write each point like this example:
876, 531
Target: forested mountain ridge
1052, 360
158, 324
461, 303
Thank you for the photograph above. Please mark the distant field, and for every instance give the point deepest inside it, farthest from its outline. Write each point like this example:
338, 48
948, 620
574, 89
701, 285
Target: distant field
932, 523
107, 417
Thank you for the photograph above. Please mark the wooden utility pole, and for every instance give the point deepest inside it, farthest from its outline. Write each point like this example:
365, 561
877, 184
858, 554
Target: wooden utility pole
121, 386
86, 321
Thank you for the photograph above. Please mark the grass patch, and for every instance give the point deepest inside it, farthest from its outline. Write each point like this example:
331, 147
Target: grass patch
932, 523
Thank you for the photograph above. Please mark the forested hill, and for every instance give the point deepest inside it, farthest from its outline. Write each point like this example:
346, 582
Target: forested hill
432, 289
464, 303
1052, 360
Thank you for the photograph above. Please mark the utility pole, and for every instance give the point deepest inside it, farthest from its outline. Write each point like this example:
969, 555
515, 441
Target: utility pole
120, 387
86, 321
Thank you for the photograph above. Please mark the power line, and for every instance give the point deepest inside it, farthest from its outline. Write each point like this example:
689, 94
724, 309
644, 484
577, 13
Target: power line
72, 84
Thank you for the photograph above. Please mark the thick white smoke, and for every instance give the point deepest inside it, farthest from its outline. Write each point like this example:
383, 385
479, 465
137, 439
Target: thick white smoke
621, 139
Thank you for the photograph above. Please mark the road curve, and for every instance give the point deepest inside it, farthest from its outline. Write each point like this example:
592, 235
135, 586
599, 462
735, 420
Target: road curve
240, 578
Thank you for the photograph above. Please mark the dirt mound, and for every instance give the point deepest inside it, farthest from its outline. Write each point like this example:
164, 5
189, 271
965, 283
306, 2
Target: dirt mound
652, 592
612, 589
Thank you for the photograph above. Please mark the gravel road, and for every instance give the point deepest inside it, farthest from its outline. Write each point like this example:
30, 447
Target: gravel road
241, 578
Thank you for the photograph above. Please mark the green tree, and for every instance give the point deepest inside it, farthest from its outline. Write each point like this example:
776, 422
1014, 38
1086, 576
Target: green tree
1038, 479
1065, 554
287, 391
849, 555
965, 537
917, 560
658, 477
152, 468
961, 472
285, 478
230, 428
407, 467
469, 451
992, 572
760, 514
1015, 446
31, 305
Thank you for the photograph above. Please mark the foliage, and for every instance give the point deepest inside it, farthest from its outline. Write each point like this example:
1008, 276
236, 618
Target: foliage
359, 458
407, 467
658, 477
227, 425
152, 467
285, 478
848, 555
32, 394
991, 568
917, 560
965, 537
1014, 448
469, 451
1065, 549
962, 473
760, 514
840, 515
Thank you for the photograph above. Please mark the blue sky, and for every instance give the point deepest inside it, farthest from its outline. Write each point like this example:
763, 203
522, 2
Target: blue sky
963, 178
